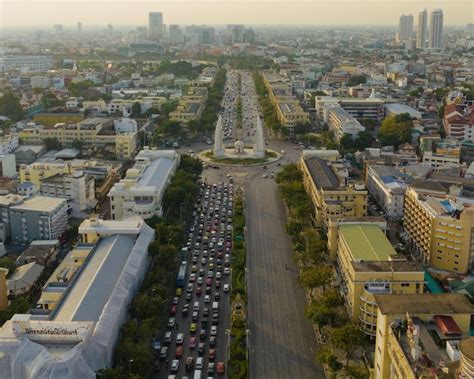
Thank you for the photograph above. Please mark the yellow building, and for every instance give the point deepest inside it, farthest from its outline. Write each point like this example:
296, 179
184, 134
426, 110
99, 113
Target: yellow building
326, 183
50, 119
36, 172
367, 265
93, 132
440, 226
419, 335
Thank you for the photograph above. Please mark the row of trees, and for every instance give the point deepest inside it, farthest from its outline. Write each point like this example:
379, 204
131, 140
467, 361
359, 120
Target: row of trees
268, 109
213, 104
147, 311
10, 107
316, 272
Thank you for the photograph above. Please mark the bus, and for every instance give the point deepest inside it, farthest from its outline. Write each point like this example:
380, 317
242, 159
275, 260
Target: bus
181, 275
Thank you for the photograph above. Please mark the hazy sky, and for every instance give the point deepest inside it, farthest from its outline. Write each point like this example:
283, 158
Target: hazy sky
316, 12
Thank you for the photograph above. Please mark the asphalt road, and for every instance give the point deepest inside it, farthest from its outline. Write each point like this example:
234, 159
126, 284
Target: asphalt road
282, 342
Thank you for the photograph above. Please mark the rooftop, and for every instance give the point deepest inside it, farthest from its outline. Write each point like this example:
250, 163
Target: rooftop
366, 242
24, 276
387, 266
467, 347
93, 286
321, 174
424, 304
40, 204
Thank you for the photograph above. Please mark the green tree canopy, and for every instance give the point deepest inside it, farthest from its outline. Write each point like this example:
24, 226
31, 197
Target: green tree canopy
10, 107
136, 109
396, 130
316, 276
348, 338
52, 144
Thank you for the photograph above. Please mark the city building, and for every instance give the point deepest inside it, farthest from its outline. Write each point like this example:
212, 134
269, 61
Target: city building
439, 224
341, 122
405, 28
141, 192
290, 113
440, 160
422, 30
76, 323
331, 193
155, 25
53, 117
435, 36
42, 252
422, 335
78, 188
25, 63
388, 185
23, 278
370, 108
176, 34
459, 121
8, 166
367, 265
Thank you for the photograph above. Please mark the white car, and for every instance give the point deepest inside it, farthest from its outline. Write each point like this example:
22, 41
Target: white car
179, 339
226, 288
264, 176
213, 330
207, 299
227, 271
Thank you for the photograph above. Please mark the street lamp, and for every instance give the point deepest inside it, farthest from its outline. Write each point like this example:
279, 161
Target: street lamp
181, 212
130, 361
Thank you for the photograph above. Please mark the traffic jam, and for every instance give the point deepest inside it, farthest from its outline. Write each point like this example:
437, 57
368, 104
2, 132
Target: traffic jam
197, 335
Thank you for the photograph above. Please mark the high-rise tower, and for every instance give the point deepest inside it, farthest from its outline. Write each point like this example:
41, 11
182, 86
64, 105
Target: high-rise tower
155, 25
422, 29
435, 37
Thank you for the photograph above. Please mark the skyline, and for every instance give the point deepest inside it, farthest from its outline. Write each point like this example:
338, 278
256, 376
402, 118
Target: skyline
38, 13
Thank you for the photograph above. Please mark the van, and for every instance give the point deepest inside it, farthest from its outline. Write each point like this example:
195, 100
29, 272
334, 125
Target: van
199, 363
196, 306
215, 306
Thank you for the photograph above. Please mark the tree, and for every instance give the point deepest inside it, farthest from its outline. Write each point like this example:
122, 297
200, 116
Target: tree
348, 338
368, 123
136, 109
52, 144
301, 128
294, 227
320, 314
396, 130
10, 107
326, 356
357, 79
316, 276
8, 263
168, 107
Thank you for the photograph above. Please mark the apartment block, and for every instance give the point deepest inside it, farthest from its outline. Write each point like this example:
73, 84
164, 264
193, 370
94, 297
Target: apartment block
191, 105
26, 63
423, 336
8, 143
367, 265
370, 108
341, 122
141, 192
388, 185
440, 226
331, 192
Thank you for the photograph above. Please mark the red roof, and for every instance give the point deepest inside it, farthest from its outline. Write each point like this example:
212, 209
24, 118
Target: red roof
447, 325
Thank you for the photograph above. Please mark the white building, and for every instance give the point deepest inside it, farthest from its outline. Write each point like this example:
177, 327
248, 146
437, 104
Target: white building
435, 37
341, 122
141, 192
438, 161
78, 188
388, 185
422, 29
125, 125
24, 278
40, 82
8, 165
79, 325
25, 63
8, 143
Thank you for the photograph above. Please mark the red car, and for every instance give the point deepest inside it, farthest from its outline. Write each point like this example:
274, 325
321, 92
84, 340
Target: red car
212, 354
220, 368
179, 351
192, 342
209, 281
173, 310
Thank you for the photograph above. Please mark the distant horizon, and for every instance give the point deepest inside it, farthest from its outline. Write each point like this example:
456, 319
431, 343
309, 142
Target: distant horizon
18, 14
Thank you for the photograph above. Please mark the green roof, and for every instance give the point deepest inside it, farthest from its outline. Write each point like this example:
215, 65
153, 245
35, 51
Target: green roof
366, 242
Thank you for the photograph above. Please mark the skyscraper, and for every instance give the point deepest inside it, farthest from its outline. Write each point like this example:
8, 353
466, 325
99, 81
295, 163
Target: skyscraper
435, 37
422, 29
405, 27
155, 25
176, 34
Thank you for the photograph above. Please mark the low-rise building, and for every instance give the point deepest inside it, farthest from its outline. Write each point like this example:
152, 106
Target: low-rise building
440, 226
42, 252
367, 265
422, 335
387, 185
331, 193
83, 305
370, 108
341, 122
24, 278
8, 143
140, 193
439, 160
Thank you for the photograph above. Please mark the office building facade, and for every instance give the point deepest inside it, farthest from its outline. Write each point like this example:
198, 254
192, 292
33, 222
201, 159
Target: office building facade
435, 37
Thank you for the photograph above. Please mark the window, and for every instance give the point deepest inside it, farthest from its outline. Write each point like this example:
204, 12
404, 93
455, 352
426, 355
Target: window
405, 284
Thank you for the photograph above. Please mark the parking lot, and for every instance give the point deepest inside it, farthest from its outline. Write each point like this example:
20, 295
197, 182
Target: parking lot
196, 340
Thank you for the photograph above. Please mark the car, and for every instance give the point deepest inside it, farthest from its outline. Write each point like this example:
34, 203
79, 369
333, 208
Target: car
226, 270
202, 334
192, 342
189, 288
175, 365
164, 352
173, 310
217, 296
210, 369
192, 278
218, 275
220, 368
179, 351
207, 299
203, 261
205, 312
212, 341
185, 310
212, 354
171, 322
194, 268
218, 284
200, 281
195, 316
198, 291
201, 272
201, 348
226, 288
179, 339
193, 327
213, 330
167, 338
210, 274
208, 281
175, 300
179, 291
189, 363
189, 296
264, 176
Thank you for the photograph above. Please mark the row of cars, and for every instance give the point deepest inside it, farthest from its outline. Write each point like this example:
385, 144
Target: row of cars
199, 316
